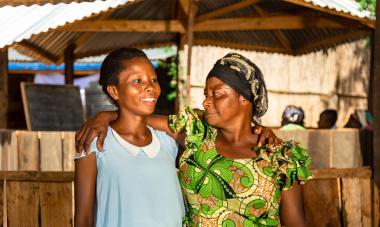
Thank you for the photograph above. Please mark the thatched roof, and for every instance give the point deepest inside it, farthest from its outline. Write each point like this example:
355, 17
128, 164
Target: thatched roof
282, 26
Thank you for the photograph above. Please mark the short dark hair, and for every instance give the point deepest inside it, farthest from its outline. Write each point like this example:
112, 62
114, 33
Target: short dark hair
328, 118
113, 64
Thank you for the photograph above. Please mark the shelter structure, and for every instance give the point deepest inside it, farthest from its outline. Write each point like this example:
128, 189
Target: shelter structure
283, 26
38, 2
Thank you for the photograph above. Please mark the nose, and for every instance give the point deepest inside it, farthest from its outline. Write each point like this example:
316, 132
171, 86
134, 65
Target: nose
149, 86
207, 102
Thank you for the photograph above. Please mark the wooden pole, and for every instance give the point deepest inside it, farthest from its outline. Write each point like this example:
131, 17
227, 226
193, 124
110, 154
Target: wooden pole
3, 87
190, 36
376, 115
69, 63
371, 73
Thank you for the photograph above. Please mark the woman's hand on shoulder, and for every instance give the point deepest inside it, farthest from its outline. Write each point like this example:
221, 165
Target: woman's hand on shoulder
266, 136
95, 127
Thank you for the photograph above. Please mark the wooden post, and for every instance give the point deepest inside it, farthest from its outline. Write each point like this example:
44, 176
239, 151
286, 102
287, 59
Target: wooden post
69, 63
376, 114
3, 87
186, 12
190, 36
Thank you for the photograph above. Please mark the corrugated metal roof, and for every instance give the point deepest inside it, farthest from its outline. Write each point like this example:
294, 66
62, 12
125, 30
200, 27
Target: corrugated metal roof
21, 22
346, 6
302, 40
38, 2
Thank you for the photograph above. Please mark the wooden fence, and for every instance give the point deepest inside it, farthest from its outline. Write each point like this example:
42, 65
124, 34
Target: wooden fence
36, 169
335, 197
36, 151
54, 151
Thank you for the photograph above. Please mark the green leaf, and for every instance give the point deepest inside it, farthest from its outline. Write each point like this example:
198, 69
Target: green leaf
206, 187
258, 203
269, 171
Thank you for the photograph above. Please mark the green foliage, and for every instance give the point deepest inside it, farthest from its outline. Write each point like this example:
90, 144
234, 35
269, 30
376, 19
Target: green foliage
171, 66
369, 5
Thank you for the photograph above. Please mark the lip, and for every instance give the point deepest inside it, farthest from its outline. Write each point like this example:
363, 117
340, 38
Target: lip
149, 100
209, 113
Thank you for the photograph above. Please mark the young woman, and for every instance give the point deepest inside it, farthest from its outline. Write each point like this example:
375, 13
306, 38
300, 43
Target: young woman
133, 181
227, 178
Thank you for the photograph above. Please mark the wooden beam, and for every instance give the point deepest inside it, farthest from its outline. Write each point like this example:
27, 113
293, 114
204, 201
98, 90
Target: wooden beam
126, 26
365, 21
229, 24
224, 10
376, 118
184, 6
331, 173
266, 23
85, 35
37, 176
236, 45
3, 87
280, 36
39, 51
69, 63
310, 46
136, 45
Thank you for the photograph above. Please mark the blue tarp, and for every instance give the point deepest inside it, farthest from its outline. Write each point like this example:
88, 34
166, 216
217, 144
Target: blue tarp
43, 67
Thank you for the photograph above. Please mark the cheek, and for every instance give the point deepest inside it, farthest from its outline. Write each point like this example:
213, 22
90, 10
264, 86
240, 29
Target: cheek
129, 91
226, 106
158, 90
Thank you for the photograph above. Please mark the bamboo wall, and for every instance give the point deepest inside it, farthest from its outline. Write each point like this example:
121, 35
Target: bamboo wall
337, 78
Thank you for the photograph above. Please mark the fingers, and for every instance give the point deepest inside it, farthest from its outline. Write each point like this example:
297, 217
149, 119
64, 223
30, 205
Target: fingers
258, 129
88, 140
101, 139
82, 139
78, 137
271, 141
278, 141
262, 138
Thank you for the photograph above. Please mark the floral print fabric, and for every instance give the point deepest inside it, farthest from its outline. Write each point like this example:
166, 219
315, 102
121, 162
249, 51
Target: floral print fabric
234, 192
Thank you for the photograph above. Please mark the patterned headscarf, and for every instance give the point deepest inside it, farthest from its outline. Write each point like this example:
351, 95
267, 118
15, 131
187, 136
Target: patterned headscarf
245, 78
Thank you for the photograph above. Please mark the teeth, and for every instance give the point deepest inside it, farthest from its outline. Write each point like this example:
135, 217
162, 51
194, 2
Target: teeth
149, 99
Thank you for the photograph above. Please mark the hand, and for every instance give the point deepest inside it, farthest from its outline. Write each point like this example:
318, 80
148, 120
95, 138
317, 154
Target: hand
95, 127
266, 136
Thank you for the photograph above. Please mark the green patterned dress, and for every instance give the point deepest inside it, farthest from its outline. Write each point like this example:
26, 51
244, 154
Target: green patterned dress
234, 192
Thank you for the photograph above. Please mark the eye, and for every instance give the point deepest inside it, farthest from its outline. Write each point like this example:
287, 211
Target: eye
137, 81
155, 80
216, 94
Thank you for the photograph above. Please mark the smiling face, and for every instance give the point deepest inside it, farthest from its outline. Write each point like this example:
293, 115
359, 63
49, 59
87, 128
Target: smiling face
222, 103
138, 88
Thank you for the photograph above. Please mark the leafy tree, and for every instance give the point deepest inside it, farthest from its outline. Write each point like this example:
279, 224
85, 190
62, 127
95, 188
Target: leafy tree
369, 5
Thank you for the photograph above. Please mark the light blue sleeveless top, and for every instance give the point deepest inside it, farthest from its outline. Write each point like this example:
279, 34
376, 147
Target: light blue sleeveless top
137, 186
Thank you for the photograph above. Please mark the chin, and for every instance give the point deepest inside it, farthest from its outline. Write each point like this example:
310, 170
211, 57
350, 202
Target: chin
147, 112
212, 121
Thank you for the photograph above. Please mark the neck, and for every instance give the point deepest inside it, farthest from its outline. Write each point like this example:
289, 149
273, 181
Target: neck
238, 131
130, 123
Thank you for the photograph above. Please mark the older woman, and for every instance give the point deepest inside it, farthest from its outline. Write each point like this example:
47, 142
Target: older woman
227, 178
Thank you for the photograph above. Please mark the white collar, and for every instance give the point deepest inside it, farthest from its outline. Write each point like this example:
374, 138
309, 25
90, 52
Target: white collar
151, 150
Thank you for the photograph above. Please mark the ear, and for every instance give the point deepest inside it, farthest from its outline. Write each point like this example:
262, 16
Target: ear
113, 92
243, 101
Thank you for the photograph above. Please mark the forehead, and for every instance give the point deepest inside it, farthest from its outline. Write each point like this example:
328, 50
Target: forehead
214, 82
137, 66
137, 62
